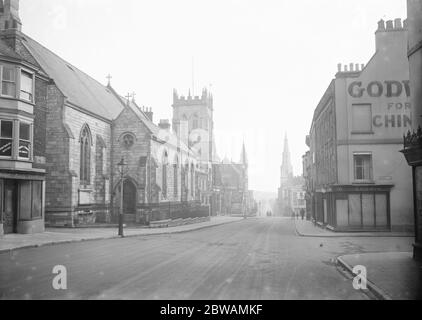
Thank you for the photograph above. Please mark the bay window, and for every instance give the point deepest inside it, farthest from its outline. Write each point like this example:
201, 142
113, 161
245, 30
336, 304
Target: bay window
26, 86
15, 142
24, 141
10, 77
6, 138
8, 87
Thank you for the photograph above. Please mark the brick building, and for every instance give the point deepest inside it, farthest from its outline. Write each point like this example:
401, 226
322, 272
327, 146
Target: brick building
356, 177
22, 111
60, 125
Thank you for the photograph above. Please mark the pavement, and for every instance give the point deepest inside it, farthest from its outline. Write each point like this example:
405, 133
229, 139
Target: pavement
54, 236
306, 228
390, 275
253, 259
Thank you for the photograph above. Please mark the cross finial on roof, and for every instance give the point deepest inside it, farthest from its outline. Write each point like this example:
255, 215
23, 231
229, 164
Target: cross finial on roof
133, 96
128, 98
109, 77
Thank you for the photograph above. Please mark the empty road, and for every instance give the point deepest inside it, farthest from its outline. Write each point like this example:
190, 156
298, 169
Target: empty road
253, 259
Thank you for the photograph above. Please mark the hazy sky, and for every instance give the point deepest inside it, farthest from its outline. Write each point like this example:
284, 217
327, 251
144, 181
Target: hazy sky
267, 62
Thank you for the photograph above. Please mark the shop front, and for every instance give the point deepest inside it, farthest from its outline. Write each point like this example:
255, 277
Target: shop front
355, 208
21, 202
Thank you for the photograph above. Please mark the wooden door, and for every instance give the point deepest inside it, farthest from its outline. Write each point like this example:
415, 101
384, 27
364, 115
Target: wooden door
129, 198
9, 207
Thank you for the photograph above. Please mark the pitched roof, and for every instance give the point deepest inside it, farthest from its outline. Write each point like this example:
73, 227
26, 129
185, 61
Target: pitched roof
167, 136
6, 51
79, 88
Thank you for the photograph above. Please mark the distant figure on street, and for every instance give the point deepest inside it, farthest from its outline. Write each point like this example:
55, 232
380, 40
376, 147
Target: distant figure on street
293, 215
302, 213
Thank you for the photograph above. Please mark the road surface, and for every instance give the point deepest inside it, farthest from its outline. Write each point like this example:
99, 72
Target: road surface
253, 259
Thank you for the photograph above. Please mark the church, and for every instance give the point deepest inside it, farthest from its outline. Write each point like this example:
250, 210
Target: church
291, 194
68, 143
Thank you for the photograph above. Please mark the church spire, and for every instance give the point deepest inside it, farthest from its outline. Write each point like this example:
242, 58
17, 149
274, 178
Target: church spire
286, 167
244, 156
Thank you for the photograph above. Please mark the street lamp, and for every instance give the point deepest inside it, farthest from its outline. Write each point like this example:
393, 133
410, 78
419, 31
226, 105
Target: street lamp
121, 167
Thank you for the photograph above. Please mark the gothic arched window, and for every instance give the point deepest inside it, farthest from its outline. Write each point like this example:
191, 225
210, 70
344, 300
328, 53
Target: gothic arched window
192, 180
164, 175
176, 177
85, 160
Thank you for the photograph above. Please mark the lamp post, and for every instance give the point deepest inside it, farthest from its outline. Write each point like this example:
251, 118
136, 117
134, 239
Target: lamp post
121, 165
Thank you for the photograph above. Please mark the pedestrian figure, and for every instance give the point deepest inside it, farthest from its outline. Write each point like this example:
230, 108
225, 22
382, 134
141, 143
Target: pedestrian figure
302, 213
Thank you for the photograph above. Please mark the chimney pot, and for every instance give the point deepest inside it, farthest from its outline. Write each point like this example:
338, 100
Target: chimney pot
381, 25
339, 67
397, 23
351, 67
405, 24
357, 67
390, 25
362, 66
346, 69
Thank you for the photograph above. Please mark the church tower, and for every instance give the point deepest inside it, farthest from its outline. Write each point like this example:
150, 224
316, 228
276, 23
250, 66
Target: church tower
197, 113
286, 167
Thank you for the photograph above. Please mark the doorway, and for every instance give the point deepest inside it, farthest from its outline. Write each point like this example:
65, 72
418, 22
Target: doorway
9, 208
129, 198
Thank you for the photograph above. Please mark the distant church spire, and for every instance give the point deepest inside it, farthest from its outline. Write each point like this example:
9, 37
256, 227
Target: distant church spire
286, 167
244, 156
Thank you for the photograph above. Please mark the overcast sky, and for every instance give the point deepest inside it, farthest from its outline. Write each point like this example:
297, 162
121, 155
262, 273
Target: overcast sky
267, 62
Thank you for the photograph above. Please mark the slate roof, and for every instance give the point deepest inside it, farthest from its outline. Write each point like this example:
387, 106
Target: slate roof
6, 51
79, 88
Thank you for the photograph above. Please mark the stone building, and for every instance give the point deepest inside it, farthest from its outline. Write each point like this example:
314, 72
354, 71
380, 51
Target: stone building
58, 122
359, 180
231, 187
193, 118
413, 139
291, 192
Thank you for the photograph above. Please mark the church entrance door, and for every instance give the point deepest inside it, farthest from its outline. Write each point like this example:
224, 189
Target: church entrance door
129, 198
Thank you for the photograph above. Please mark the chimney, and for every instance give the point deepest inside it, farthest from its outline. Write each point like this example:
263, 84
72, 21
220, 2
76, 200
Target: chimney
9, 15
381, 25
394, 33
150, 115
164, 124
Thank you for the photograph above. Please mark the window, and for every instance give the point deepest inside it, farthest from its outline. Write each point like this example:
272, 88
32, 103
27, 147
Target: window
128, 140
192, 180
164, 180
24, 140
176, 179
363, 167
164, 175
9, 81
361, 118
6, 138
26, 86
85, 159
